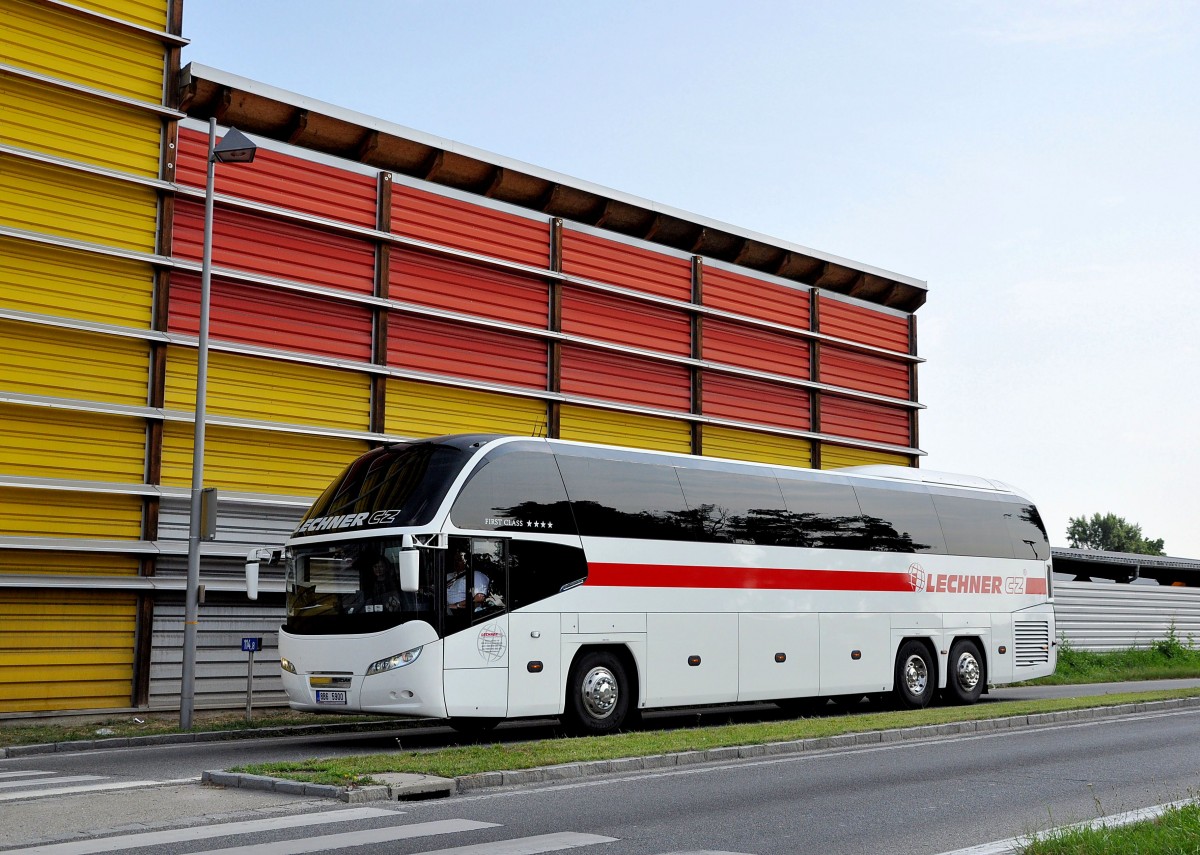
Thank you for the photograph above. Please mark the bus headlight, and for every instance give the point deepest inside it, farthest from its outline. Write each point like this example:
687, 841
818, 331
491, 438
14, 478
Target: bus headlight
397, 661
286, 665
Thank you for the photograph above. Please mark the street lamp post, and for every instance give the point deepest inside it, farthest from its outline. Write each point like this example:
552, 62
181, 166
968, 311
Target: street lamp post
235, 147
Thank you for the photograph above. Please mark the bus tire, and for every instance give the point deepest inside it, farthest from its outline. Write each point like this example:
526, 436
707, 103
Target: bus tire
916, 676
966, 677
598, 694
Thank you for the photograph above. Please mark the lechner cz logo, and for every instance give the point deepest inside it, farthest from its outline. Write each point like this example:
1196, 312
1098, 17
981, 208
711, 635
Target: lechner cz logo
923, 582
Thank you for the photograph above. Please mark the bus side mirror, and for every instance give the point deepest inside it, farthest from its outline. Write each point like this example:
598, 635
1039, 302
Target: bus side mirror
409, 564
254, 560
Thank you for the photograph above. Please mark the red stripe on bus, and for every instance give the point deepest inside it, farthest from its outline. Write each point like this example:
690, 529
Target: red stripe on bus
688, 576
1035, 585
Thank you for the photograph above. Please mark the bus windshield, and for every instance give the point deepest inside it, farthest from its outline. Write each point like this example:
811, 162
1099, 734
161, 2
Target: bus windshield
354, 587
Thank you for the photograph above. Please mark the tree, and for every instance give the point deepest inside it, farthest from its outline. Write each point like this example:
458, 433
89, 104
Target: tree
1112, 533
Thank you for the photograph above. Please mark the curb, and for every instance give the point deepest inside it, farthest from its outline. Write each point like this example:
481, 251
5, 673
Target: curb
405, 787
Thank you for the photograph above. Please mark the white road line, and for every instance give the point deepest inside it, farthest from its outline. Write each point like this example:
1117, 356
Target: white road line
366, 837
64, 779
27, 773
202, 832
527, 845
89, 788
1009, 846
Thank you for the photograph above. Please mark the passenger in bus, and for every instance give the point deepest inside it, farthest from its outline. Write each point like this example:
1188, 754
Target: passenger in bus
456, 585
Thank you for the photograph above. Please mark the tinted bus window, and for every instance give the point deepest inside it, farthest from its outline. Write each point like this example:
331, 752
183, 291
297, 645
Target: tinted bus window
515, 490
538, 569
899, 521
730, 507
821, 515
1027, 531
617, 498
973, 526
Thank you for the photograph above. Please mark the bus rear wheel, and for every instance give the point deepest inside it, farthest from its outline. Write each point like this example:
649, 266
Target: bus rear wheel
965, 681
598, 695
915, 676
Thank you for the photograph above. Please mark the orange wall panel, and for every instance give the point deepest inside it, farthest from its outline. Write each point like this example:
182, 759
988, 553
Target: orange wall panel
757, 348
452, 222
756, 298
746, 399
628, 266
608, 317
445, 347
460, 286
628, 379
864, 420
865, 372
866, 326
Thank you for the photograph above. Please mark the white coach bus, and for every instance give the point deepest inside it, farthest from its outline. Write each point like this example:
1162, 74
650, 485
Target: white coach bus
477, 578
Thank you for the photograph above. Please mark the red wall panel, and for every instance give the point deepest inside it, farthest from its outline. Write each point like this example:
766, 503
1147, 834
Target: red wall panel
747, 399
262, 316
753, 347
475, 228
865, 326
627, 266
460, 286
864, 420
596, 314
444, 347
865, 372
284, 181
257, 244
628, 379
756, 298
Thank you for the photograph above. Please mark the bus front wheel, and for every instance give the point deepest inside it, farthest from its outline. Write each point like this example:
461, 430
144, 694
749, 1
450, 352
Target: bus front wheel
916, 678
597, 695
965, 680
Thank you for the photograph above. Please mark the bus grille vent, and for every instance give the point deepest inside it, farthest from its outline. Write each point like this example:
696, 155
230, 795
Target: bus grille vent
1032, 642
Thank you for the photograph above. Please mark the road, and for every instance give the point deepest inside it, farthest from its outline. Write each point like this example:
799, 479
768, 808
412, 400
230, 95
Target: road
926, 797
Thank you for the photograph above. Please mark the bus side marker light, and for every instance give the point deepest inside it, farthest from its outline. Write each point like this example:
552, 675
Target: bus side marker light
693, 661
856, 655
781, 657
1003, 649
534, 667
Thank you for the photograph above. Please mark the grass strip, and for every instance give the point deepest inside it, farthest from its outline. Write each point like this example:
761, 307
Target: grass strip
1175, 832
470, 759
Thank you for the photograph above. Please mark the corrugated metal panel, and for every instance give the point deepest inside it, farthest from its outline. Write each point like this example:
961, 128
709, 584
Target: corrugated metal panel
756, 298
837, 456
220, 662
76, 127
864, 420
749, 400
759, 349
256, 314
257, 461
856, 323
738, 444
865, 372
48, 443
1107, 616
55, 281
55, 513
64, 650
35, 563
241, 526
273, 390
475, 228
608, 317
586, 424
43, 198
444, 347
628, 266
38, 360
284, 181
56, 43
146, 13
424, 409
629, 379
257, 244
459, 286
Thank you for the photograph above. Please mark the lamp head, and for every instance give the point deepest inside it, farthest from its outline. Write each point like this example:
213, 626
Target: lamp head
234, 147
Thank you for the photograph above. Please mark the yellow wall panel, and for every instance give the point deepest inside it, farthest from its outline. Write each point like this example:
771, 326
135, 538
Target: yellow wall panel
271, 389
610, 427
57, 513
78, 127
737, 444
52, 280
63, 650
145, 13
34, 563
425, 409
41, 360
71, 47
836, 456
51, 200
258, 461
51, 443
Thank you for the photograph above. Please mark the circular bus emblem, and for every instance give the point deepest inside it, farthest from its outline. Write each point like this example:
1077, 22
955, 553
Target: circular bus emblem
916, 577
491, 643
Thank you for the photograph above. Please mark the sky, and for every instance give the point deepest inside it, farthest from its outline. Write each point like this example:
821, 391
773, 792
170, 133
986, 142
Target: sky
1036, 163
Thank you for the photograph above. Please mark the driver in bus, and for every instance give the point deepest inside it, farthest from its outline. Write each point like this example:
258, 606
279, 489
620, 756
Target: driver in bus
456, 585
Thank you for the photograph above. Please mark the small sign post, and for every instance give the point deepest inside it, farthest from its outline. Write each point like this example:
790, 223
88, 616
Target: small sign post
250, 645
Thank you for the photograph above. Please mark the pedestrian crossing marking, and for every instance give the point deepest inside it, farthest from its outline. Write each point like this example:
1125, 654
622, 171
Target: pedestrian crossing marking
366, 837
62, 779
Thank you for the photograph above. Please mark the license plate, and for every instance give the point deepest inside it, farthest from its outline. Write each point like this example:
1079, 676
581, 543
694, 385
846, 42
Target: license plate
325, 696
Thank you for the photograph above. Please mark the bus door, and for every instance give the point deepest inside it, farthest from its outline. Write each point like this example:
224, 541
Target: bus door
475, 623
